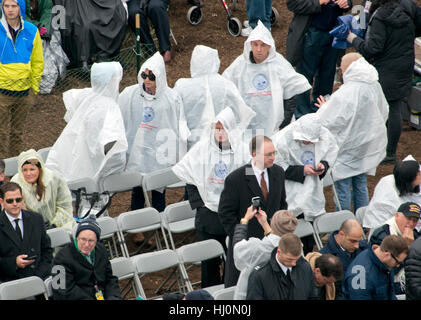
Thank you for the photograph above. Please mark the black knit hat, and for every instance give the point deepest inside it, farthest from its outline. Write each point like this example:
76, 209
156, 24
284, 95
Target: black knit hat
89, 224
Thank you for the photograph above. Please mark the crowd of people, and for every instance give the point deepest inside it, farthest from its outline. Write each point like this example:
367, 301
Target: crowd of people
251, 147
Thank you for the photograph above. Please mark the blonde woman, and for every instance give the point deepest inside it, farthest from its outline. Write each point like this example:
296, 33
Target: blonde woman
44, 191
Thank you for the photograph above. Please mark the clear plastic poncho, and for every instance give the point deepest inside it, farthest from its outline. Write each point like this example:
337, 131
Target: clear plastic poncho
93, 144
156, 128
206, 166
56, 204
207, 93
386, 201
356, 114
307, 197
264, 86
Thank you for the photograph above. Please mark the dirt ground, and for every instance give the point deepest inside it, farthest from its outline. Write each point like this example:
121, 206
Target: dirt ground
46, 120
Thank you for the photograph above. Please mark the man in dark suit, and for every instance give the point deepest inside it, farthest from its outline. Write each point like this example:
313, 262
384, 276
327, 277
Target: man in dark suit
22, 235
260, 178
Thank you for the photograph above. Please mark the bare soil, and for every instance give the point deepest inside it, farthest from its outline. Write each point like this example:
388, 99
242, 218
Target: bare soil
46, 119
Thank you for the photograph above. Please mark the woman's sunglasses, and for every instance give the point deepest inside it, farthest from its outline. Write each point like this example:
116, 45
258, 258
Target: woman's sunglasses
151, 76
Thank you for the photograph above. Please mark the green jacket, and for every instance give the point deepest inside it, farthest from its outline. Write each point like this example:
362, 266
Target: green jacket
42, 16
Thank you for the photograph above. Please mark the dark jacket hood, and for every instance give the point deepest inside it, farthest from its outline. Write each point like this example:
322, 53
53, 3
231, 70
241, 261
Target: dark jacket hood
393, 14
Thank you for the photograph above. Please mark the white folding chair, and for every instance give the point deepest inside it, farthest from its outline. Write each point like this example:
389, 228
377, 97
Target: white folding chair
141, 220
197, 252
224, 294
156, 180
44, 153
24, 288
177, 218
123, 268
59, 237
328, 181
11, 166
121, 182
330, 222
49, 286
304, 229
109, 233
155, 261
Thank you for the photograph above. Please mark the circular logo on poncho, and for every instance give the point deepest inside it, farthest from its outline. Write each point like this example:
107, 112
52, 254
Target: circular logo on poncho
148, 114
307, 158
221, 170
260, 82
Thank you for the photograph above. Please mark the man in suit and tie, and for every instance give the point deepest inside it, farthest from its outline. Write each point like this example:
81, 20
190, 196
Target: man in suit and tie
22, 236
259, 178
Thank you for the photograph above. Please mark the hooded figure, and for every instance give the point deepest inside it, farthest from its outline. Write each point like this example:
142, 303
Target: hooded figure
265, 85
356, 114
93, 144
55, 204
303, 142
204, 168
207, 93
156, 129
387, 197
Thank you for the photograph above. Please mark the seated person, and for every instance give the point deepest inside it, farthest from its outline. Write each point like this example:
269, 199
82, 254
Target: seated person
93, 144
393, 190
22, 236
157, 12
44, 191
327, 270
94, 29
207, 93
286, 276
87, 269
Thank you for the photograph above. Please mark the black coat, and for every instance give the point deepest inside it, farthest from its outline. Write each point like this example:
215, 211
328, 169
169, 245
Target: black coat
389, 46
35, 242
268, 282
413, 271
382, 232
81, 276
240, 186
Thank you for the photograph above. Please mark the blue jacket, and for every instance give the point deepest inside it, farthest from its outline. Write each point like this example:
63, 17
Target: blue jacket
21, 62
367, 278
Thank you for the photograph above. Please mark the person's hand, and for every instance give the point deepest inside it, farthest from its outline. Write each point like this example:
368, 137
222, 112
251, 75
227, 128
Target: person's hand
320, 101
319, 166
21, 262
309, 170
322, 2
262, 217
343, 4
42, 31
408, 235
351, 36
250, 213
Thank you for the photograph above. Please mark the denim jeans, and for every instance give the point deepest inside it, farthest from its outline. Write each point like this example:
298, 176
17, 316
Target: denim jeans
259, 10
359, 192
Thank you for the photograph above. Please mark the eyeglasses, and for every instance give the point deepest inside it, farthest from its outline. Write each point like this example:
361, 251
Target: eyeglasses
11, 200
151, 76
89, 241
396, 260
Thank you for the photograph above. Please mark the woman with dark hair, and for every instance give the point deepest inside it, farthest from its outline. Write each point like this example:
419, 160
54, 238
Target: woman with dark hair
389, 46
393, 190
44, 191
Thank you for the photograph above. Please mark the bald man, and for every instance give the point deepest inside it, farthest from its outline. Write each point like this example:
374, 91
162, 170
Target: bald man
346, 244
356, 115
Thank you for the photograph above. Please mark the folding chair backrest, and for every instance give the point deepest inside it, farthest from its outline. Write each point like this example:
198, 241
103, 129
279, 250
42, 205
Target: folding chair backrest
155, 261
44, 153
159, 179
224, 294
304, 228
123, 268
22, 288
121, 182
359, 214
179, 211
330, 222
200, 250
59, 237
11, 166
108, 226
140, 220
87, 183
